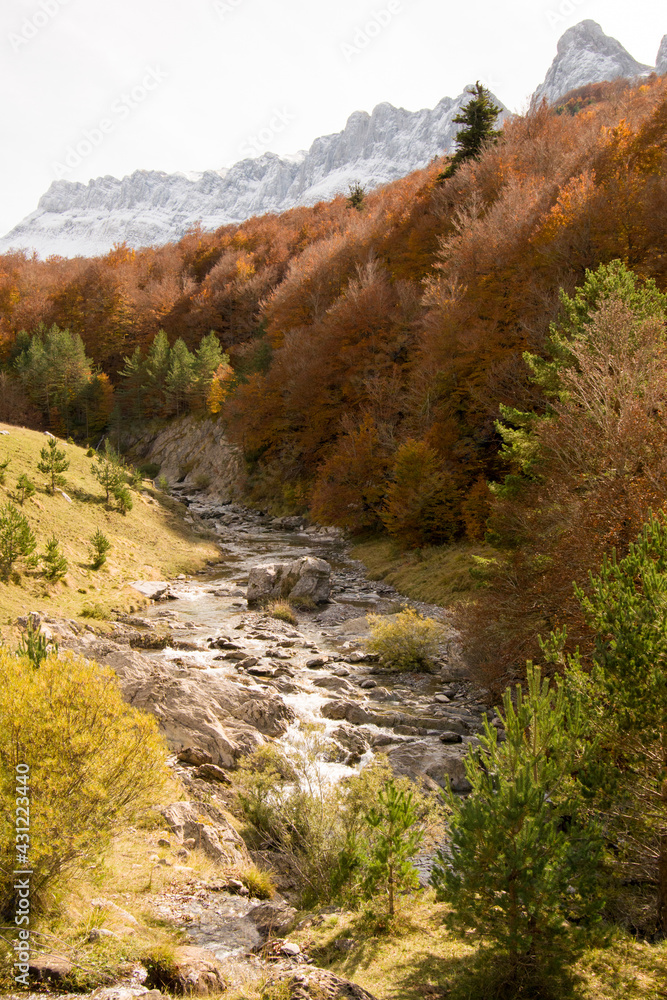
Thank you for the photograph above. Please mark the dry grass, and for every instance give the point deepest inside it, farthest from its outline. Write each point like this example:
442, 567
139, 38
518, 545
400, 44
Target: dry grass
418, 958
435, 574
150, 542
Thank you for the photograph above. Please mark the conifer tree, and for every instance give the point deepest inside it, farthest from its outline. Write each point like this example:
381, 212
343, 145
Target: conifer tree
99, 546
394, 841
478, 119
156, 369
108, 470
626, 605
53, 560
53, 463
523, 855
24, 489
16, 538
181, 375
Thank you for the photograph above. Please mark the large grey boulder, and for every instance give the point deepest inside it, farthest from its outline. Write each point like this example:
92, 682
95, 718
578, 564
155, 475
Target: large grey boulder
432, 759
210, 830
306, 579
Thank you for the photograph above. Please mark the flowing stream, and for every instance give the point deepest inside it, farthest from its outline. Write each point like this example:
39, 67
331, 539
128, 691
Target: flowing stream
312, 665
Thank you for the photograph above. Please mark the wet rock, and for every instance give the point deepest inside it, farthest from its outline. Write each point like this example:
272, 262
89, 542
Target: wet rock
307, 578
352, 740
273, 918
333, 683
431, 758
206, 710
315, 662
451, 738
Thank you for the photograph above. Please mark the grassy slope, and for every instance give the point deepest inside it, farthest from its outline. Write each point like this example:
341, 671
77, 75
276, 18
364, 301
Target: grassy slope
150, 542
420, 959
435, 574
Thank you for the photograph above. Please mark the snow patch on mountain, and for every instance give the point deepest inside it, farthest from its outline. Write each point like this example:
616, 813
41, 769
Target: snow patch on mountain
151, 207
586, 55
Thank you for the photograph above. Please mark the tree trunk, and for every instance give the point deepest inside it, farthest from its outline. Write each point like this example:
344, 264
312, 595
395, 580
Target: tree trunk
662, 860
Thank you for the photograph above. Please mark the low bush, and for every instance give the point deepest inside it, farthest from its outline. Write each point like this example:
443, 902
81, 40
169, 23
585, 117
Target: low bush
317, 826
94, 763
406, 641
282, 611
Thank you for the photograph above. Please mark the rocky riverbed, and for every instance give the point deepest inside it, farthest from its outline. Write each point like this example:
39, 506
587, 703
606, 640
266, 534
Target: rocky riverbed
223, 678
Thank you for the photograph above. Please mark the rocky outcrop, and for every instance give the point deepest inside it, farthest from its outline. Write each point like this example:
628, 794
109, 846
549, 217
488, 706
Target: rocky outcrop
661, 61
195, 453
320, 984
151, 208
306, 579
210, 830
204, 711
586, 55
196, 972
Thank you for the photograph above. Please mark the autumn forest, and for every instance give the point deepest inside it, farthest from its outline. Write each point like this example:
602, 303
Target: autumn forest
446, 358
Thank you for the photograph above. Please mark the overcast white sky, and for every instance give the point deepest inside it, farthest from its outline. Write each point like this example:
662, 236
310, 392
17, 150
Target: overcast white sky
198, 84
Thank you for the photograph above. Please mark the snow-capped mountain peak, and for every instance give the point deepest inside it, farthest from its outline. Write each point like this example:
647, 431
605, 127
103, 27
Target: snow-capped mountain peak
586, 55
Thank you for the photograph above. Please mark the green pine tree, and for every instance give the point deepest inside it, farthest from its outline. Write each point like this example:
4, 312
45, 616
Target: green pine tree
394, 838
156, 369
181, 376
99, 546
478, 118
16, 538
53, 560
523, 856
123, 498
24, 489
108, 470
208, 358
53, 463
626, 605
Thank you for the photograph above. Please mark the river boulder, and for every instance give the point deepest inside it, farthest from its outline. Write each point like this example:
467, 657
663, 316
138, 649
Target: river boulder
305, 579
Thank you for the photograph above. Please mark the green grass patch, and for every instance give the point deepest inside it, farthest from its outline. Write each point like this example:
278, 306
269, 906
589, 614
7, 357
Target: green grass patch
436, 574
149, 542
416, 957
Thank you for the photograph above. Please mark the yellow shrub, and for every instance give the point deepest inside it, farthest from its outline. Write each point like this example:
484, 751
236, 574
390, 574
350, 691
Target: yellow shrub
93, 760
406, 641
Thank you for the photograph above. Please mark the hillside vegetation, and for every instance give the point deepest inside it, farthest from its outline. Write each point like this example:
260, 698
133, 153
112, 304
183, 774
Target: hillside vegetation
150, 541
376, 341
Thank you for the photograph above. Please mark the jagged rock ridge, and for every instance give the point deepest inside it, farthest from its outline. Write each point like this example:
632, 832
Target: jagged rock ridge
586, 55
150, 207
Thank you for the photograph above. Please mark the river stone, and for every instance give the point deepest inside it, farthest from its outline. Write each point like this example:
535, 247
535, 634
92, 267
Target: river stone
197, 973
153, 589
273, 918
307, 578
431, 758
